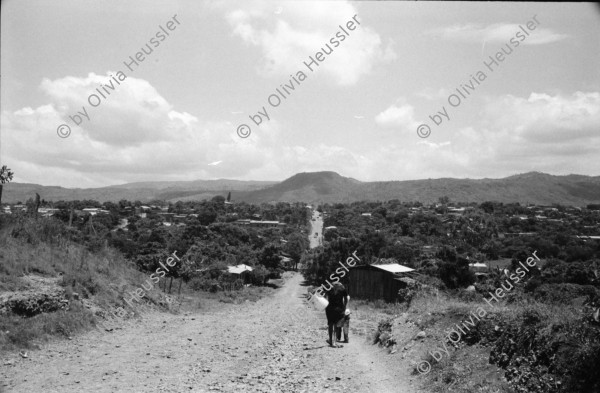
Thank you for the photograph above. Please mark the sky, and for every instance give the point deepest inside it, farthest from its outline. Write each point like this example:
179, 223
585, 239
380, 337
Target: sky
77, 111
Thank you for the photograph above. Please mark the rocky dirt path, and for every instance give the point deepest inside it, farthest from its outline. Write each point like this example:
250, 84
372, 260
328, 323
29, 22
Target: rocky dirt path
274, 345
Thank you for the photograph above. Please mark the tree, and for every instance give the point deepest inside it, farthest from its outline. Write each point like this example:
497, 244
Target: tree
456, 274
178, 208
5, 176
207, 216
259, 275
218, 199
269, 256
487, 207
295, 247
33, 205
229, 197
37, 204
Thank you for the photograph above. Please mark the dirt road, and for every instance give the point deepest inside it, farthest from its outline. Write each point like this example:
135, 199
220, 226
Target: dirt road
240, 348
274, 345
316, 227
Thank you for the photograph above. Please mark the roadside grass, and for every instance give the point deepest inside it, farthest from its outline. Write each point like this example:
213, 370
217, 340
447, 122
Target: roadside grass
93, 283
207, 301
18, 333
520, 334
247, 294
429, 310
366, 316
41, 247
519, 339
194, 300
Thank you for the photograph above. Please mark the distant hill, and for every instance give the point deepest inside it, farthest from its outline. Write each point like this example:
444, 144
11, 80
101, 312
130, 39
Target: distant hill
306, 187
532, 187
143, 191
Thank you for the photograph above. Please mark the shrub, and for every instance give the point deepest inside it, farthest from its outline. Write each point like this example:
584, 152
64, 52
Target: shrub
549, 350
35, 230
275, 274
24, 331
532, 284
196, 283
456, 274
259, 275
383, 336
564, 293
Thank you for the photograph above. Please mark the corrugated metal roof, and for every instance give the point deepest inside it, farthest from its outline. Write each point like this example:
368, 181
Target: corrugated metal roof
477, 264
238, 269
394, 268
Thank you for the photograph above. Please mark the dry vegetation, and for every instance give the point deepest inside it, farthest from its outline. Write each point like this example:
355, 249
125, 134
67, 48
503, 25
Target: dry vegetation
539, 347
57, 287
92, 283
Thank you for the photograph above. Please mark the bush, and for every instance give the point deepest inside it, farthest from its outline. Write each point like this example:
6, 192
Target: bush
259, 275
468, 296
24, 331
80, 281
564, 293
383, 336
532, 284
547, 350
205, 284
456, 274
37, 230
196, 283
275, 274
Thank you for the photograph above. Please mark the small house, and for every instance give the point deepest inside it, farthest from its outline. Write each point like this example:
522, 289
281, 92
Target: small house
373, 282
480, 269
238, 272
94, 210
286, 262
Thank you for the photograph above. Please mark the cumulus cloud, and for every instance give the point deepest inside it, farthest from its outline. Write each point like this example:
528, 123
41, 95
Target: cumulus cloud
398, 115
546, 132
134, 133
553, 133
431, 94
174, 145
546, 119
496, 33
302, 29
130, 113
433, 145
549, 133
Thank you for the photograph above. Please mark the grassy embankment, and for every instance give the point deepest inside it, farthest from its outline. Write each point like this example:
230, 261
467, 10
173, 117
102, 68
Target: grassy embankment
93, 283
539, 347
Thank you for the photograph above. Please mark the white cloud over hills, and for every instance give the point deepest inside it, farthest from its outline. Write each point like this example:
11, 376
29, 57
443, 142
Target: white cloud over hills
303, 28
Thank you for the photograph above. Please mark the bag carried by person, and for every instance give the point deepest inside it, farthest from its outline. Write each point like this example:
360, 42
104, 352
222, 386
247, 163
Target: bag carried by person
319, 302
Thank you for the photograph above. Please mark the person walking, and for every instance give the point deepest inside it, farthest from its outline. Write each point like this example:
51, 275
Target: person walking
344, 325
336, 310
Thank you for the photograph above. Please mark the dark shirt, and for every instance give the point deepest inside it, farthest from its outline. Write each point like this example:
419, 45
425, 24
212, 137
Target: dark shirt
336, 296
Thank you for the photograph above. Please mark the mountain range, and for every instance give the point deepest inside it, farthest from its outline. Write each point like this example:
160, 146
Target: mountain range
311, 187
